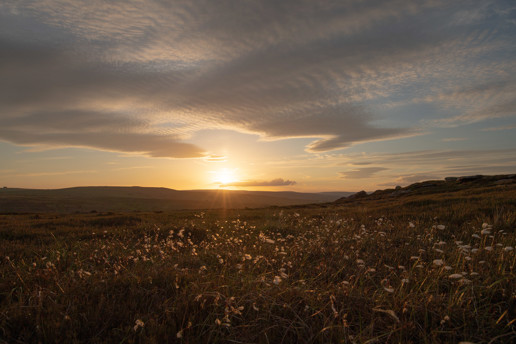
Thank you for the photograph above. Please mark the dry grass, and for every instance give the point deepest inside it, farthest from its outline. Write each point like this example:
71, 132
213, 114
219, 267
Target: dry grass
429, 269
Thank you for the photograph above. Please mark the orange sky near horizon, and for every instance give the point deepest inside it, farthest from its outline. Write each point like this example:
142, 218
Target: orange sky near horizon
281, 95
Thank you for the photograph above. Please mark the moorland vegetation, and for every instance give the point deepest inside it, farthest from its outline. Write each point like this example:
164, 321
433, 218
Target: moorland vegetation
422, 268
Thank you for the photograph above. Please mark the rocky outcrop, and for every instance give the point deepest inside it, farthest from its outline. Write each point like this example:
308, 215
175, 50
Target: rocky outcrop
449, 184
358, 195
505, 181
466, 179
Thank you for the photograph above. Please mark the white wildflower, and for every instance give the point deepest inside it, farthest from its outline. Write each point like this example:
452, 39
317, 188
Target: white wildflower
508, 248
445, 319
390, 312
455, 276
277, 280
441, 227
438, 262
138, 324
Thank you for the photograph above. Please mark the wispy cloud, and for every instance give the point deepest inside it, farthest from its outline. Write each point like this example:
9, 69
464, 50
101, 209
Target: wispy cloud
215, 158
410, 167
410, 179
438, 158
56, 173
150, 144
484, 100
505, 127
454, 139
365, 172
274, 182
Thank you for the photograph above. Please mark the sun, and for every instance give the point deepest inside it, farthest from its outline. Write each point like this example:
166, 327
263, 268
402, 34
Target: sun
224, 176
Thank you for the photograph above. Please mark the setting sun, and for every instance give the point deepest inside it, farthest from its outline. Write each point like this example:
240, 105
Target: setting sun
258, 171
224, 176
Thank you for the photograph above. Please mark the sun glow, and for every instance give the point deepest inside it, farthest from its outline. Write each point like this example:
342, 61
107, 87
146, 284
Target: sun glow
224, 176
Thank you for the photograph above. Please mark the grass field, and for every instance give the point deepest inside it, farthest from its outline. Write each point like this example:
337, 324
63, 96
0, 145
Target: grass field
423, 269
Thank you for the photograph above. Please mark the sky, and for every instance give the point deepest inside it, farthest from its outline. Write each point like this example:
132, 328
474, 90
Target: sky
258, 95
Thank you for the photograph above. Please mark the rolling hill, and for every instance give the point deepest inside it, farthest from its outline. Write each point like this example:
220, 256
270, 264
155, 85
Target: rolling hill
107, 198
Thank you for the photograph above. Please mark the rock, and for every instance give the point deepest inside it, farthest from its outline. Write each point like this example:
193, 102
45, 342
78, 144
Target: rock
400, 192
505, 181
466, 179
360, 194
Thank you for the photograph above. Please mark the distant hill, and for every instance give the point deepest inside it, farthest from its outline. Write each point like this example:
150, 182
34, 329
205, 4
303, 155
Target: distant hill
448, 185
108, 198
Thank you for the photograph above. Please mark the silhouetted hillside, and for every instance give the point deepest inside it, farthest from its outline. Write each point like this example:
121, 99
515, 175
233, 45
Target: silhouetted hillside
106, 198
449, 184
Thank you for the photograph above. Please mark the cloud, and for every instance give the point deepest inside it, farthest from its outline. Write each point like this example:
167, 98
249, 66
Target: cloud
215, 158
141, 143
506, 127
411, 179
454, 139
482, 101
274, 182
410, 167
437, 158
149, 74
366, 172
61, 173
361, 163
